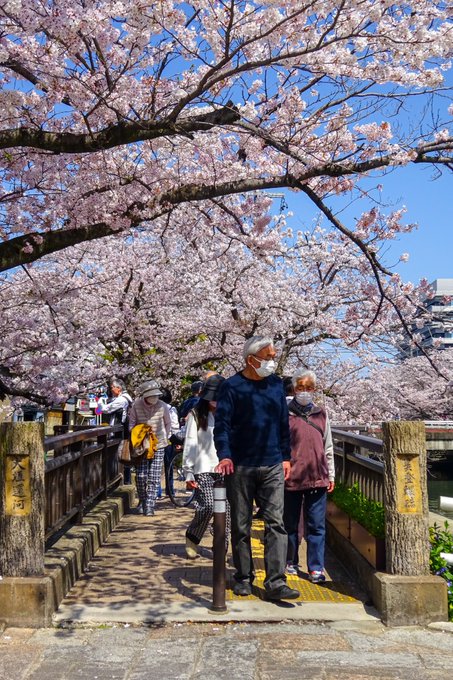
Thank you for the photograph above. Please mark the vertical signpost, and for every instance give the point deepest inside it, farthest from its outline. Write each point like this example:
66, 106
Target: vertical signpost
406, 498
22, 499
218, 566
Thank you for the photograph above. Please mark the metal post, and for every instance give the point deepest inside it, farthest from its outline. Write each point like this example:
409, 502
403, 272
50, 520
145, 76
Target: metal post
218, 566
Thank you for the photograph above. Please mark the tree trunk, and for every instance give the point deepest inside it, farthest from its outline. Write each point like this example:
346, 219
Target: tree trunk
406, 498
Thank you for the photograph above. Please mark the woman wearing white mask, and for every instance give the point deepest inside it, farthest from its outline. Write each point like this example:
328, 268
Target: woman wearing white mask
199, 462
150, 410
312, 476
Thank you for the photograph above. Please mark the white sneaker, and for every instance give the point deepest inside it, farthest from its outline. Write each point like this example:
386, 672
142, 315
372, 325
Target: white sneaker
191, 549
316, 577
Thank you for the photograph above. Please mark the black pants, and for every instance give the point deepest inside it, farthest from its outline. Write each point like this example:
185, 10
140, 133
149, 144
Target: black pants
266, 484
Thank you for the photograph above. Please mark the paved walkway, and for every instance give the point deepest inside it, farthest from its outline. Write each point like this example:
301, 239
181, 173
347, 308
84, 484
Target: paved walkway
142, 575
240, 651
141, 612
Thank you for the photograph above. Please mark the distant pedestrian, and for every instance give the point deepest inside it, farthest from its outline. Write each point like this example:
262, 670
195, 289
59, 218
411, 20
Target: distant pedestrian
119, 405
252, 440
312, 476
118, 409
150, 410
199, 462
289, 388
170, 449
191, 401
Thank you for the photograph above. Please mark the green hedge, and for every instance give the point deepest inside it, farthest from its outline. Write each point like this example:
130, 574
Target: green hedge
442, 541
368, 513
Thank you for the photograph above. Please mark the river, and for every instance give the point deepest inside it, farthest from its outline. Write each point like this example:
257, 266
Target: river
440, 483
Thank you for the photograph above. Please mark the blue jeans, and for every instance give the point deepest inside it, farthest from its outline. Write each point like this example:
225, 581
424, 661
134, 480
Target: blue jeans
267, 486
314, 505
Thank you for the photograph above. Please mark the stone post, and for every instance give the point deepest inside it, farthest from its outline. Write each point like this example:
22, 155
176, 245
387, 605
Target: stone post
406, 498
407, 594
22, 499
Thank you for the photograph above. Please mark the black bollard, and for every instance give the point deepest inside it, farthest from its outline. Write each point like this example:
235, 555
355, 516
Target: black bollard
218, 565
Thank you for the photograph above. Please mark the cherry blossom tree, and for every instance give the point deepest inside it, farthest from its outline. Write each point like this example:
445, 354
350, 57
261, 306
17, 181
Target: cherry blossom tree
136, 139
409, 389
173, 301
116, 111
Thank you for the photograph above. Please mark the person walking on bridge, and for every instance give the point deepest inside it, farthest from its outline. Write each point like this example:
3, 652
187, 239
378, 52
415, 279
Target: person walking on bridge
251, 435
118, 409
150, 410
312, 476
199, 462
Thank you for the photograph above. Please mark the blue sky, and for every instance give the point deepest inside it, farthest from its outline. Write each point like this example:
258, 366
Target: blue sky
429, 203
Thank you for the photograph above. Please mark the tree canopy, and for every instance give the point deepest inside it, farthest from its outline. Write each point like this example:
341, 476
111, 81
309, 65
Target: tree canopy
124, 123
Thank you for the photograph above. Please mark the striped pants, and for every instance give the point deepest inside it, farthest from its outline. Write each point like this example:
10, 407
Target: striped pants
204, 507
147, 475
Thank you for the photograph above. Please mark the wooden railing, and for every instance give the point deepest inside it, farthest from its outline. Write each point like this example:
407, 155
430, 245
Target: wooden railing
353, 464
80, 468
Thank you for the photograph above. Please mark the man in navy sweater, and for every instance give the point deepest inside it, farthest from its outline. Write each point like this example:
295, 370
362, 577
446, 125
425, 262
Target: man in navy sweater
251, 435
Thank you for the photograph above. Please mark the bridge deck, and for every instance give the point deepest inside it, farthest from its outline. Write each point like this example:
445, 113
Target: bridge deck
143, 567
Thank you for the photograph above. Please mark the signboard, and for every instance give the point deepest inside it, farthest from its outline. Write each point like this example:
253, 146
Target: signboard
409, 493
17, 485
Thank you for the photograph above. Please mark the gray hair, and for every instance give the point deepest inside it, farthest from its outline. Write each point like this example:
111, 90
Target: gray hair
304, 373
116, 382
254, 344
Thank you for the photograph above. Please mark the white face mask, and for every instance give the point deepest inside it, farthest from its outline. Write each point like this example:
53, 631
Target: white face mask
266, 368
304, 398
151, 400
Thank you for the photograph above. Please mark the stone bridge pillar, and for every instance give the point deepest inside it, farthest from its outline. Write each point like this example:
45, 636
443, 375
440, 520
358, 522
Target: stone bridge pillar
407, 594
24, 589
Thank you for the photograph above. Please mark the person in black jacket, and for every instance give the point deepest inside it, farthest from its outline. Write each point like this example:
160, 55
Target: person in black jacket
251, 436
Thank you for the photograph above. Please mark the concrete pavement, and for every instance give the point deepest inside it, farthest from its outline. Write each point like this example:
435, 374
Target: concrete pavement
363, 650
141, 612
141, 575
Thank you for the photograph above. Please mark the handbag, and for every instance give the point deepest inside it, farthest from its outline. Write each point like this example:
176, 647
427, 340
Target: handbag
125, 448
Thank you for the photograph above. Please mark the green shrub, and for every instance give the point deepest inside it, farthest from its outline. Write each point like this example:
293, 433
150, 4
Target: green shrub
442, 542
368, 513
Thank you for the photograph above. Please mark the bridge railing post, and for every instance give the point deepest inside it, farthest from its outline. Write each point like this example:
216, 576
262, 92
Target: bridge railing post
22, 499
26, 593
407, 594
406, 498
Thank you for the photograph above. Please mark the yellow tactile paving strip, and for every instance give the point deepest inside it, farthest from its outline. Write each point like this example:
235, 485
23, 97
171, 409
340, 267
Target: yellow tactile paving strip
309, 592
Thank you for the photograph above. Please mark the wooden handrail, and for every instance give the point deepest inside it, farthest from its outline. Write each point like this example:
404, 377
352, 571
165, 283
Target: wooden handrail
356, 468
75, 478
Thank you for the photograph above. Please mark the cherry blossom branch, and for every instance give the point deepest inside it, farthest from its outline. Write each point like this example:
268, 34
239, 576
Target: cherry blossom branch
116, 135
30, 247
376, 268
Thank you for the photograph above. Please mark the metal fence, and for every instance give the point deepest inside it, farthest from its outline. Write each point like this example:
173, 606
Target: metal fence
81, 467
